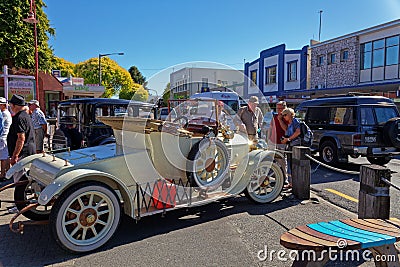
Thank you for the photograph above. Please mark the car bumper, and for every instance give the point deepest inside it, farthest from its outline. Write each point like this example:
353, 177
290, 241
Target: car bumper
376, 151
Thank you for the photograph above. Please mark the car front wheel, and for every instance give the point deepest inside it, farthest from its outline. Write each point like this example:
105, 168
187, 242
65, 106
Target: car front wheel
85, 217
265, 184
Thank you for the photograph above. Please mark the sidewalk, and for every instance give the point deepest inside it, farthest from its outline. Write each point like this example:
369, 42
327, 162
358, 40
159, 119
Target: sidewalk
231, 232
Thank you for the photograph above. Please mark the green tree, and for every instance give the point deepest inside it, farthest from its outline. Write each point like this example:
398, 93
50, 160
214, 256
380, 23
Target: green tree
67, 68
136, 75
113, 77
166, 94
136, 92
17, 42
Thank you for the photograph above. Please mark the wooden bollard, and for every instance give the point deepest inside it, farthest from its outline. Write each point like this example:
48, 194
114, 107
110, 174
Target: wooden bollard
301, 172
373, 197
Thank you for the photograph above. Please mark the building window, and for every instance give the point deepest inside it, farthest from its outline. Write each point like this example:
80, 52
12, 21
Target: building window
270, 75
320, 60
366, 56
292, 71
204, 85
378, 54
331, 58
392, 50
344, 55
253, 75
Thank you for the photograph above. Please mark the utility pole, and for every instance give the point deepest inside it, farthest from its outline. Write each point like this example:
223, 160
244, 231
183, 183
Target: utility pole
320, 25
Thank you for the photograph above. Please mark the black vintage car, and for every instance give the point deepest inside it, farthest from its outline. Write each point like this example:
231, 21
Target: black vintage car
78, 124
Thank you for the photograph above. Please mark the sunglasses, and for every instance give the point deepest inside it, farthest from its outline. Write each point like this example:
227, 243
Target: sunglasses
284, 115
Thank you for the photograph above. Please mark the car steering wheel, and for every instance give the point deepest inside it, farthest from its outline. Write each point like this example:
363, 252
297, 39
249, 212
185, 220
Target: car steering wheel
183, 121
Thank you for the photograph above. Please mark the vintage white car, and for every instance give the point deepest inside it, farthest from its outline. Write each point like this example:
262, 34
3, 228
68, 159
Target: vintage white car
154, 166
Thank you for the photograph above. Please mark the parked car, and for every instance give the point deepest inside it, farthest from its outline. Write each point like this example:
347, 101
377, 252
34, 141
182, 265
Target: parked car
78, 119
351, 125
163, 113
153, 167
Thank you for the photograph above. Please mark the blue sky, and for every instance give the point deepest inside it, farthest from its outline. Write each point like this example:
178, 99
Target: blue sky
155, 35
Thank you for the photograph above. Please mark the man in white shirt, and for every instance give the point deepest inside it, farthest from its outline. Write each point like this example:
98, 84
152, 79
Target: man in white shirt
4, 157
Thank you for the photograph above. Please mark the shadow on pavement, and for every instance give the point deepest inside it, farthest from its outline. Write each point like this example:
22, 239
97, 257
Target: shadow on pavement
36, 247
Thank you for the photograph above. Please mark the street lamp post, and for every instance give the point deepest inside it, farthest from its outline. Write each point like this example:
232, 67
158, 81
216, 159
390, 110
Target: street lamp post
103, 55
32, 20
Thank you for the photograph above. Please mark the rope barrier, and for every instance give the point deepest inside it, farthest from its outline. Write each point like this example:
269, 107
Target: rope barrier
332, 168
389, 183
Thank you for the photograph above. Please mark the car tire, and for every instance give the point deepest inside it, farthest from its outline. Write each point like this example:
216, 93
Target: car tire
392, 131
329, 153
379, 160
85, 217
208, 164
26, 192
265, 184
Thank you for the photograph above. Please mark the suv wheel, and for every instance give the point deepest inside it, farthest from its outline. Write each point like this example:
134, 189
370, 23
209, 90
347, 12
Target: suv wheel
328, 152
378, 160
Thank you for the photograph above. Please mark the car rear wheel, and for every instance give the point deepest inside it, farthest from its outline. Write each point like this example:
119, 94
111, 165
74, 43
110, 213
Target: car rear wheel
208, 164
379, 160
329, 152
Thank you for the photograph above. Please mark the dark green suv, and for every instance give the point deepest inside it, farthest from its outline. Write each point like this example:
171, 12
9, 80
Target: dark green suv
343, 126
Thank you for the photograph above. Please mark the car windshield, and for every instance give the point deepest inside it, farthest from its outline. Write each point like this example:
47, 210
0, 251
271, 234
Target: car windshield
194, 110
231, 106
164, 111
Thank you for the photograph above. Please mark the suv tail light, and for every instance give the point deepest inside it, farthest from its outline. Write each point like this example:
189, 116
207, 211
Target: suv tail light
357, 140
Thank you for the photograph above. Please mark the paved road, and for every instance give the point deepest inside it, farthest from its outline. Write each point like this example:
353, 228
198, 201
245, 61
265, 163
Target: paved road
225, 233
324, 181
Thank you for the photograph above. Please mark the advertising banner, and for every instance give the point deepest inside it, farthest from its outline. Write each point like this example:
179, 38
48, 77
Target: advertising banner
24, 87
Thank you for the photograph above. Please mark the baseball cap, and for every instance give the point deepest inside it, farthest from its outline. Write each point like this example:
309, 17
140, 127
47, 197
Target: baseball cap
34, 101
254, 99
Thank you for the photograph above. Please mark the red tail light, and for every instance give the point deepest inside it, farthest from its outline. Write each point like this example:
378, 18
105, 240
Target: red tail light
357, 140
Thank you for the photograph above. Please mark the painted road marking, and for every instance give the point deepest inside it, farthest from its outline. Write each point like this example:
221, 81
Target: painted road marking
342, 195
352, 199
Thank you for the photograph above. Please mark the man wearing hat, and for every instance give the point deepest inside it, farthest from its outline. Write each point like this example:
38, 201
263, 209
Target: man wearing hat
6, 117
249, 119
21, 137
39, 124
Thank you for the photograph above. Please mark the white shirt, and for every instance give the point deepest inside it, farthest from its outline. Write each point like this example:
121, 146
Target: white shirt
7, 120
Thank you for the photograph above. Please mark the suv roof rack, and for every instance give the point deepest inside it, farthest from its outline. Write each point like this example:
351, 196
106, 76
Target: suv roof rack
342, 95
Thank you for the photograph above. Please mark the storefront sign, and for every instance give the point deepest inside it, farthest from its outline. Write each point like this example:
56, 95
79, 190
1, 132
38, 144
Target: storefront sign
56, 73
77, 81
24, 87
272, 99
83, 89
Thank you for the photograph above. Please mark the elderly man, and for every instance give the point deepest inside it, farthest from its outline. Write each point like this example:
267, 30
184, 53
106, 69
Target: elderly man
6, 116
250, 118
21, 137
39, 124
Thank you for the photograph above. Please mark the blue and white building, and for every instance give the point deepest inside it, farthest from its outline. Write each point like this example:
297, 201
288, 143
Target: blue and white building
277, 73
